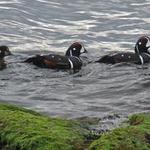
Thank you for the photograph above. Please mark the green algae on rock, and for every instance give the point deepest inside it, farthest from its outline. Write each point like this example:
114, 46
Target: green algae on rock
22, 129
136, 136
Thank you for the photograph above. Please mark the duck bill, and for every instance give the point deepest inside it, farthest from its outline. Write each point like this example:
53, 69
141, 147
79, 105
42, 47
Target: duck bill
148, 49
84, 51
8, 53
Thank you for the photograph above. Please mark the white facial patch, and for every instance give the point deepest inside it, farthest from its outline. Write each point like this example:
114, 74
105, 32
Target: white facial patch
74, 49
82, 50
148, 49
148, 42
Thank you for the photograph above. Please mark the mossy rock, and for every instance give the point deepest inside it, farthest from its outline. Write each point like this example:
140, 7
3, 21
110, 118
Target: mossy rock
136, 136
22, 129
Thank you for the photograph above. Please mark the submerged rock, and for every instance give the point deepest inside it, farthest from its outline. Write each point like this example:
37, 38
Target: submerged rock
135, 136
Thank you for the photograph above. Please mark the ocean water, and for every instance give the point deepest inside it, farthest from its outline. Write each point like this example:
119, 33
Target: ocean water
31, 27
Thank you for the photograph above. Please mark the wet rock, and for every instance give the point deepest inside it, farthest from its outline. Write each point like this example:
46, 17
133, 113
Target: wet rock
135, 136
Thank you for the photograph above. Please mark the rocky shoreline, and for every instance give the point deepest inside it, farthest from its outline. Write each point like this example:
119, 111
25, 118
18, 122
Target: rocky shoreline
23, 129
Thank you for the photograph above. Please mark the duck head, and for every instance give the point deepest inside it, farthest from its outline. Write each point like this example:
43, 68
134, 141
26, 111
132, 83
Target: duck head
143, 45
4, 51
76, 49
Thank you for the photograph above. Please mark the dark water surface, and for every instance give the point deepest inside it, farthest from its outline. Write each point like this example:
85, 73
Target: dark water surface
38, 26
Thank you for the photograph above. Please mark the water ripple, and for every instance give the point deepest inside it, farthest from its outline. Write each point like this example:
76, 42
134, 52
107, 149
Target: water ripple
96, 90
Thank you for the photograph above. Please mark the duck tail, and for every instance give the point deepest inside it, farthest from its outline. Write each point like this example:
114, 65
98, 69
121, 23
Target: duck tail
29, 60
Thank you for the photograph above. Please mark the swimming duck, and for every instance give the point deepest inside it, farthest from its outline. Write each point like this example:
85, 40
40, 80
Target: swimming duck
4, 51
141, 55
71, 60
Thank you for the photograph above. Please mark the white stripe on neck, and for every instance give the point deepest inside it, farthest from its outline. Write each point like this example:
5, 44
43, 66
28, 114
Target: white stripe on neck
142, 60
71, 63
148, 42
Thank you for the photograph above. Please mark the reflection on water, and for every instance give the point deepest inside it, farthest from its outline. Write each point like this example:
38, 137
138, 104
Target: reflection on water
37, 26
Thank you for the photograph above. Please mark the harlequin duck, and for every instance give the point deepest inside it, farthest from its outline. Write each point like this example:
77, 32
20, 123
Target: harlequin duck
71, 60
141, 55
4, 51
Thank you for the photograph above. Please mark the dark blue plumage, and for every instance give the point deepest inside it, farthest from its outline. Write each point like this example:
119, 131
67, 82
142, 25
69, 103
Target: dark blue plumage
141, 55
71, 60
4, 51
